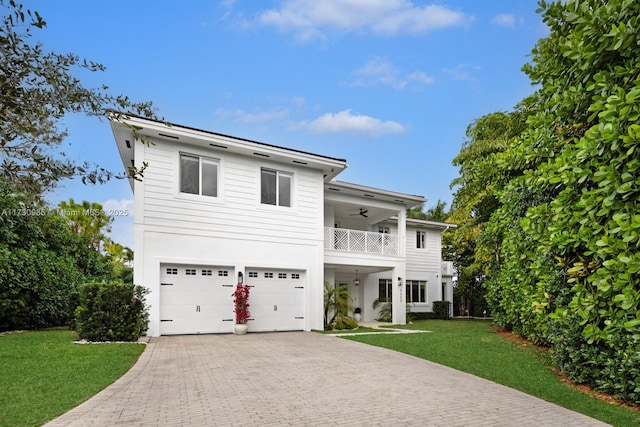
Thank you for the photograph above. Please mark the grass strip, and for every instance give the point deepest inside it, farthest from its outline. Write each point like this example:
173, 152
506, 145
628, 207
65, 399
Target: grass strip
474, 347
44, 374
361, 329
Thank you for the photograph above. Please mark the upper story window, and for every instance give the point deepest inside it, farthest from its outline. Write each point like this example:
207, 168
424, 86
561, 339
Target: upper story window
383, 230
275, 188
421, 239
198, 175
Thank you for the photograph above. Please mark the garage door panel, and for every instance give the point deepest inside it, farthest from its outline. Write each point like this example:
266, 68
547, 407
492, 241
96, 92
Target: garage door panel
277, 300
195, 299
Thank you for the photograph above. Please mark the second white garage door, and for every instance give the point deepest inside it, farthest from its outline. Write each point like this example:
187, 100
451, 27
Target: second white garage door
276, 300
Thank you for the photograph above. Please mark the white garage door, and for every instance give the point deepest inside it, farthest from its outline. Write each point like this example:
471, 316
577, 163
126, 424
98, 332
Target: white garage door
196, 299
276, 300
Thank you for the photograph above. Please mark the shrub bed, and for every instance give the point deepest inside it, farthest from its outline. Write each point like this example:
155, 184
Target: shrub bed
111, 311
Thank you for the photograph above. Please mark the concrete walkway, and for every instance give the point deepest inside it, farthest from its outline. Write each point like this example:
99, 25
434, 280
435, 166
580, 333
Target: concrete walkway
303, 379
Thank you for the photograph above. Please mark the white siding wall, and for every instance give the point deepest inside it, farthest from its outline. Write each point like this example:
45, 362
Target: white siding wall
234, 229
237, 210
427, 259
424, 264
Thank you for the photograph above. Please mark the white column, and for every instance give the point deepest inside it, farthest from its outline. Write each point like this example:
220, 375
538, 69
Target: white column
402, 233
399, 307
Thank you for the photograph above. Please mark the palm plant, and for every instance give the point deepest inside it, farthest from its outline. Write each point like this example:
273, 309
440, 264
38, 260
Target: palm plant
386, 312
337, 302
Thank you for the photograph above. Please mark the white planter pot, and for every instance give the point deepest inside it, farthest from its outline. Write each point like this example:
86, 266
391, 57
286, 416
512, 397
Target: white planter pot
357, 316
240, 328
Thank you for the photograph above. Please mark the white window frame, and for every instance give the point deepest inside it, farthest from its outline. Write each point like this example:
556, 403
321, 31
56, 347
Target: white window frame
201, 160
388, 284
421, 239
279, 175
409, 291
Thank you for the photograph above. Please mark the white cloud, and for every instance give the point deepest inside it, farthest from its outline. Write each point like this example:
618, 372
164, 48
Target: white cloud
121, 206
310, 19
504, 20
355, 124
421, 77
380, 71
463, 71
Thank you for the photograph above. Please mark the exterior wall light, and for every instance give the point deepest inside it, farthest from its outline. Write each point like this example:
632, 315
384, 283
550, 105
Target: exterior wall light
240, 277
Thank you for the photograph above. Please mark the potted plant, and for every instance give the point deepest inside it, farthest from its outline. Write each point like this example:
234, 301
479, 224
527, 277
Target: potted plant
357, 314
241, 308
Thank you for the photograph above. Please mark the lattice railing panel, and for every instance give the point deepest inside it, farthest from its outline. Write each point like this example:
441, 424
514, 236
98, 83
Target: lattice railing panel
342, 239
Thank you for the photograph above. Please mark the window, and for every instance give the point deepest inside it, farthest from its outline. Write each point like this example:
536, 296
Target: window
198, 175
416, 290
383, 230
206, 272
421, 238
223, 273
282, 275
385, 290
253, 274
268, 275
275, 188
295, 276
190, 271
172, 271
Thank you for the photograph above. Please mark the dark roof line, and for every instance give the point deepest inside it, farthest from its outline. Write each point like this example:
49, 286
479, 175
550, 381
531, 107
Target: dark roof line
164, 122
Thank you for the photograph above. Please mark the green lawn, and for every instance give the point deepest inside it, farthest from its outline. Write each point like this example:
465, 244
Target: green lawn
361, 329
473, 347
43, 374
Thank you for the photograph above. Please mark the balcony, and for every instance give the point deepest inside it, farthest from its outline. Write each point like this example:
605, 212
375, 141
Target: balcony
367, 242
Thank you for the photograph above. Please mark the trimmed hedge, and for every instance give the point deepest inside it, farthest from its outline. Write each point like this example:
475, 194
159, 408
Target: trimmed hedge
112, 311
441, 309
426, 315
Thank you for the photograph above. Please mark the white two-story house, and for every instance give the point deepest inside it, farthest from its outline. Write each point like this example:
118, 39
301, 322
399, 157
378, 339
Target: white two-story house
213, 210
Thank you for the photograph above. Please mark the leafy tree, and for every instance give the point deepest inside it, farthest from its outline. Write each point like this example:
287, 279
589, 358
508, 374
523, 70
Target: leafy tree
38, 266
37, 88
120, 258
474, 249
88, 219
569, 259
434, 213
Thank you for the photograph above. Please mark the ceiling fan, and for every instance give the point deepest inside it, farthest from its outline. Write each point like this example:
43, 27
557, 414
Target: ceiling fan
363, 212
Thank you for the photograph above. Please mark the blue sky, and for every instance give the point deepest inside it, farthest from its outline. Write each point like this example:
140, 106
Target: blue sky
390, 85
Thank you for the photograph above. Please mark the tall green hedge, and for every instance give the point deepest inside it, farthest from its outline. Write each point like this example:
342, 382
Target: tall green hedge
111, 311
441, 309
569, 264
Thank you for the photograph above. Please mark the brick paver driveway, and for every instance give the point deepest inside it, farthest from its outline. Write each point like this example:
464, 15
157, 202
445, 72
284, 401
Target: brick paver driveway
303, 378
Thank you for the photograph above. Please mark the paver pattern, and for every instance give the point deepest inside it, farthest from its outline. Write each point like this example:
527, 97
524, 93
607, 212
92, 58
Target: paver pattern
303, 379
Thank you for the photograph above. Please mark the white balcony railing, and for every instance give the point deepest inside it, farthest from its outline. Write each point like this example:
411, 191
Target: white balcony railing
343, 239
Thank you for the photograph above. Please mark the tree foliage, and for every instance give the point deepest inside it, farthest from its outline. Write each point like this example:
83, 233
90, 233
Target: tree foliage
473, 248
566, 223
37, 89
42, 261
88, 219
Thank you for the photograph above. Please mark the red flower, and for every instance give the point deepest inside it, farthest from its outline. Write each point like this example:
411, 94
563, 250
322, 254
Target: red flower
241, 302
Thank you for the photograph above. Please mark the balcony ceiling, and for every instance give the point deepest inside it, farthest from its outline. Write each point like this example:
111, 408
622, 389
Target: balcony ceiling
350, 212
